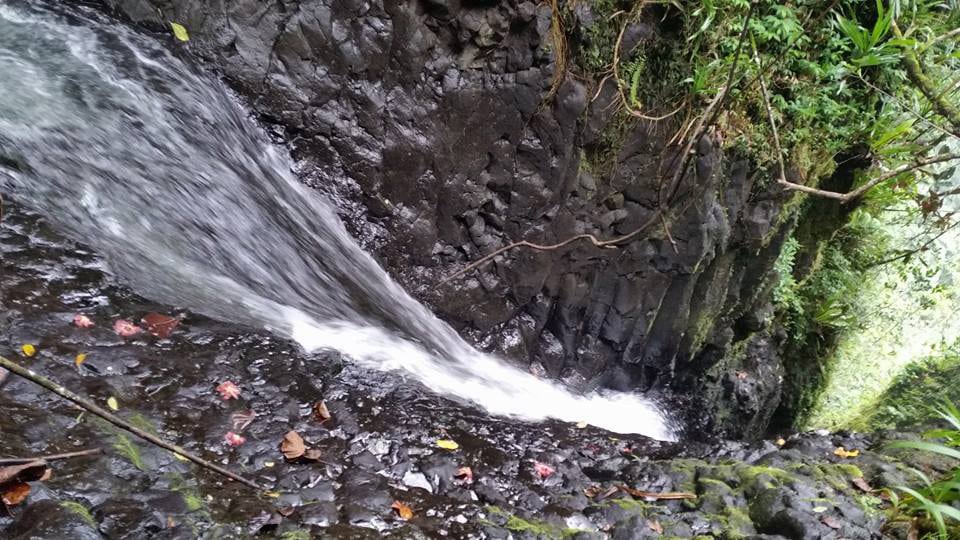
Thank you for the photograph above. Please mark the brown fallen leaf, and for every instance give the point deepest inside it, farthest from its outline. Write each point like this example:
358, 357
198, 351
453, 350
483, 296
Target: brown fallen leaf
321, 412
16, 493
862, 484
831, 522
655, 526
158, 324
292, 445
23, 472
665, 496
286, 511
403, 511
312, 454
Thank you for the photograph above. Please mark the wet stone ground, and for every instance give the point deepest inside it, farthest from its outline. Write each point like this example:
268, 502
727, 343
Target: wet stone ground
378, 447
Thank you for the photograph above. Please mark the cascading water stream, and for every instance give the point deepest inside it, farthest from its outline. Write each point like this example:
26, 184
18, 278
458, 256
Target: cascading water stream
152, 163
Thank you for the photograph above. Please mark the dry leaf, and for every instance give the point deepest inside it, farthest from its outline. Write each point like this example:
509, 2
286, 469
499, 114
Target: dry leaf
158, 324
464, 475
286, 511
831, 522
592, 491
125, 328
82, 321
780, 442
844, 453
81, 358
543, 469
321, 412
862, 484
582, 425
23, 472
447, 444
655, 526
404, 511
292, 445
16, 493
312, 454
28, 350
667, 495
112, 403
228, 390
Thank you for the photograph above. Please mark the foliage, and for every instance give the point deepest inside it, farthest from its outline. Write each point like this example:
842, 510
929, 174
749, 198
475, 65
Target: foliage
934, 499
907, 401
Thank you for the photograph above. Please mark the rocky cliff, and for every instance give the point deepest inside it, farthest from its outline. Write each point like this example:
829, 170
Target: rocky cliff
448, 129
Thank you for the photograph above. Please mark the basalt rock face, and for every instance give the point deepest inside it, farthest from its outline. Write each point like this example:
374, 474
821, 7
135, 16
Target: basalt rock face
441, 130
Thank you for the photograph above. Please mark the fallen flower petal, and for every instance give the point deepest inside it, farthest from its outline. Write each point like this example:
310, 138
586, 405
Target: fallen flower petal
82, 321
228, 390
125, 328
543, 469
81, 358
464, 475
113, 403
233, 439
28, 350
844, 453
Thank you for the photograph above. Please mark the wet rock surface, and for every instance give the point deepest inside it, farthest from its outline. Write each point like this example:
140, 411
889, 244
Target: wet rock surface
379, 446
440, 130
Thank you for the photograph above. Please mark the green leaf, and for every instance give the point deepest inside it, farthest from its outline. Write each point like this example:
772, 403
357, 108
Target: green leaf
928, 447
180, 32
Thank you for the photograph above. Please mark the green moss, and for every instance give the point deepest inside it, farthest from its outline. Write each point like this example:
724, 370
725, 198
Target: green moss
81, 511
541, 529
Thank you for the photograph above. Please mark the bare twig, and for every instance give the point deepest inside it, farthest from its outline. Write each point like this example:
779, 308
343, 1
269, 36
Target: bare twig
551, 247
666, 231
92, 408
773, 124
54, 457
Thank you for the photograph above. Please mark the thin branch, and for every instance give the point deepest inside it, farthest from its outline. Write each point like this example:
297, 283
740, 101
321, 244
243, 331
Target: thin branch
918, 249
551, 247
54, 457
773, 124
92, 408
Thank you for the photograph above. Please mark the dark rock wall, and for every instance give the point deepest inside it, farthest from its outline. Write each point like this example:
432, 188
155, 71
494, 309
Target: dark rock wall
429, 122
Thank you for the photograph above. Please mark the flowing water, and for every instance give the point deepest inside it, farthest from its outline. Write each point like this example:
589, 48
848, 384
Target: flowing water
150, 161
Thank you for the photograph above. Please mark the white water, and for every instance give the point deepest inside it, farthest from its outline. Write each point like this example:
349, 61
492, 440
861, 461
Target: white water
150, 162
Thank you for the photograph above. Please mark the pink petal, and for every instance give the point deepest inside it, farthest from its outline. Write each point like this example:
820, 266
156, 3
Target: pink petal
228, 390
126, 328
543, 469
82, 321
233, 439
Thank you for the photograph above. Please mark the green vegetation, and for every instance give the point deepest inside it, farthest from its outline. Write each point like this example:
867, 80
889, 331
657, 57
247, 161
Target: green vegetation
935, 499
81, 511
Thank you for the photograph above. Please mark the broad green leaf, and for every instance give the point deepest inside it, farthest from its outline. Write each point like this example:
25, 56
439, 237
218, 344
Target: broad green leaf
180, 32
928, 447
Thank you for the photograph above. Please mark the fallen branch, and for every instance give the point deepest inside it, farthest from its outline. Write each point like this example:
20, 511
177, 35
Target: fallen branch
550, 247
842, 197
54, 457
660, 496
92, 408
